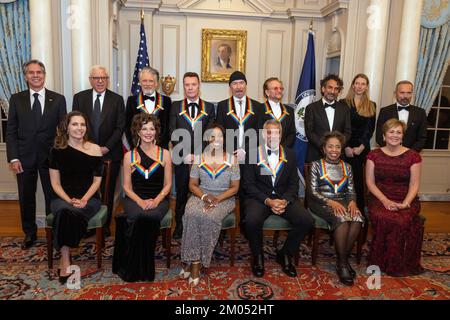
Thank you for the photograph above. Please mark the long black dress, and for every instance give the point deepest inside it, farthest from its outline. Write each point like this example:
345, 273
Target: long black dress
77, 170
137, 229
362, 131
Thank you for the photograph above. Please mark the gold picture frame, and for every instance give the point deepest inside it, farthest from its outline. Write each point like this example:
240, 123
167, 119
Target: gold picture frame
223, 52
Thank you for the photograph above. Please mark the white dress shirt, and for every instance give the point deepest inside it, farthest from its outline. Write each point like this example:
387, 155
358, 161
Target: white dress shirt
403, 115
240, 111
101, 98
149, 104
276, 108
41, 98
273, 161
330, 113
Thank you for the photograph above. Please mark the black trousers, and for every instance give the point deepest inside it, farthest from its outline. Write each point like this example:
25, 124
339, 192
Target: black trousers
27, 184
257, 213
115, 170
182, 189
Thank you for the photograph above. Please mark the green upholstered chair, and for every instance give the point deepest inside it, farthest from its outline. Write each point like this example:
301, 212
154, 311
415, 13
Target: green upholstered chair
276, 224
230, 224
96, 223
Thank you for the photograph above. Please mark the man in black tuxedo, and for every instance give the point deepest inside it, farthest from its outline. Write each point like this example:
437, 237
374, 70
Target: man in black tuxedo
33, 117
150, 101
273, 108
189, 119
105, 111
271, 187
415, 118
326, 115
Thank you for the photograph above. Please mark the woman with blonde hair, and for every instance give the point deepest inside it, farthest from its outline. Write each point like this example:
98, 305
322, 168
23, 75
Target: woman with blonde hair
362, 113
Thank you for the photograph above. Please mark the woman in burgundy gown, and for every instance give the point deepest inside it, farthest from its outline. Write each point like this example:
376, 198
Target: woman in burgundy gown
393, 178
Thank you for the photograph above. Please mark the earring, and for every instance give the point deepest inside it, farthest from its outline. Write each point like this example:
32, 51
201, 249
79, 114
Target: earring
138, 141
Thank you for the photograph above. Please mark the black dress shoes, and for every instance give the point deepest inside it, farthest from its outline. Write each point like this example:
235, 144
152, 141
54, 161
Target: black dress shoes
286, 264
63, 279
258, 266
344, 274
351, 270
28, 241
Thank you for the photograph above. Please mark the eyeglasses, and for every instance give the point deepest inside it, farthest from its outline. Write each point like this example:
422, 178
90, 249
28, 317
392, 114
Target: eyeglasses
99, 78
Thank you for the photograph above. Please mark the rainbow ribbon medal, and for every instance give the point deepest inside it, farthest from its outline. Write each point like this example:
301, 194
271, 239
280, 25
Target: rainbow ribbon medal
213, 174
248, 112
265, 163
146, 173
141, 103
269, 111
184, 112
336, 186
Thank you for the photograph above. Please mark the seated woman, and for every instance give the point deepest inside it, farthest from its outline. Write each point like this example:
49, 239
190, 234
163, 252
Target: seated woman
393, 178
332, 197
147, 179
76, 168
213, 183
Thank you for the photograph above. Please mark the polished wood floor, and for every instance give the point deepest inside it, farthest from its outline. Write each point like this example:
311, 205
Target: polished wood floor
437, 214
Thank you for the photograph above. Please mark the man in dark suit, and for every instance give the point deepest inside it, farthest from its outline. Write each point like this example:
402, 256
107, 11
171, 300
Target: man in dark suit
224, 56
415, 118
326, 115
105, 111
271, 187
273, 108
150, 101
33, 117
189, 119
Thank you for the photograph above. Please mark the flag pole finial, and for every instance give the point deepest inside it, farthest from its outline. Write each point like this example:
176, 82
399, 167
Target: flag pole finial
311, 25
142, 15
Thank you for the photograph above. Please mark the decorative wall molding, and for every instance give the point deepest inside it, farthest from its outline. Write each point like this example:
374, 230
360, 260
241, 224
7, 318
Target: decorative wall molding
333, 7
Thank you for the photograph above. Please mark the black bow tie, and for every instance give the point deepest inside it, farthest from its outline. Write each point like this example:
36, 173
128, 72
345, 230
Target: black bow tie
275, 152
400, 108
327, 105
193, 104
152, 98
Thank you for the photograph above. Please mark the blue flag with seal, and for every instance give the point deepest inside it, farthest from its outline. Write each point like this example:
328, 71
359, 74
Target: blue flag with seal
306, 93
141, 61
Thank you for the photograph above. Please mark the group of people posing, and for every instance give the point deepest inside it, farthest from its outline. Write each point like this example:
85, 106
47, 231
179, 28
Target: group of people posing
68, 150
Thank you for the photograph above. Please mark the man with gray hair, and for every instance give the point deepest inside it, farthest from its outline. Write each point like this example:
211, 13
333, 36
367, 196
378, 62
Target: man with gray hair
105, 111
149, 101
33, 117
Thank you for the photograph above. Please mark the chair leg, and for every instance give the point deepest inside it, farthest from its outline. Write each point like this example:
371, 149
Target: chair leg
99, 244
163, 233
232, 243
276, 234
310, 237
221, 236
296, 258
49, 234
168, 236
315, 246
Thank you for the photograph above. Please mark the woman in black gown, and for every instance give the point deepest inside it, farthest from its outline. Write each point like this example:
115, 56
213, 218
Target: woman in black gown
362, 111
147, 179
75, 173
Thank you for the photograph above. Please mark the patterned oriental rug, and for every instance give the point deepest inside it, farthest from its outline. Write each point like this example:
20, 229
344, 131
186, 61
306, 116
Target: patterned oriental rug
24, 275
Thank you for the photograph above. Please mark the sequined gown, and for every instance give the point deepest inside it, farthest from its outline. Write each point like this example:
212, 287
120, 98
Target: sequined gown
331, 181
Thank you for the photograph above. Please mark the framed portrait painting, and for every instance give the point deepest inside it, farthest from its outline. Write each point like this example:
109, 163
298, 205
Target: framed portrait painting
223, 52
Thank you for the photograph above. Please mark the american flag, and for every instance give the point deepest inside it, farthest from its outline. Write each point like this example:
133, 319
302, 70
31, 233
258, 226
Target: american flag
141, 61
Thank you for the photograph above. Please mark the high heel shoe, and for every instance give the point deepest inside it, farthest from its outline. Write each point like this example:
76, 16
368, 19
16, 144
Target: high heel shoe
184, 274
194, 281
62, 279
344, 274
351, 270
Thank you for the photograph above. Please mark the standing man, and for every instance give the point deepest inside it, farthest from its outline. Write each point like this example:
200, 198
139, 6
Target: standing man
149, 101
187, 116
326, 115
105, 111
33, 117
271, 187
275, 109
414, 117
